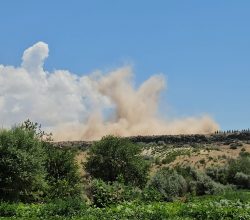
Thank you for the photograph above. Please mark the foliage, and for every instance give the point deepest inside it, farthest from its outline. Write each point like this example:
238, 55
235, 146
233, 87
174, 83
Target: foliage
223, 209
106, 194
22, 159
169, 183
32, 169
149, 194
242, 180
239, 165
173, 154
203, 208
114, 157
204, 185
69, 207
59, 207
218, 174
36, 129
199, 183
63, 175
237, 172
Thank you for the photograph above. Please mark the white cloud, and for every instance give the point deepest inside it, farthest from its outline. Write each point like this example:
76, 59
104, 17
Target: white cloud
72, 106
33, 58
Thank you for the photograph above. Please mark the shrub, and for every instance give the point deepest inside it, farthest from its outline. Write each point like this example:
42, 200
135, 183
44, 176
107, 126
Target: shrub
105, 194
7, 209
243, 149
158, 161
242, 180
169, 184
204, 185
149, 194
172, 155
114, 157
31, 169
59, 207
237, 172
202, 161
22, 159
63, 173
233, 146
198, 182
241, 164
244, 154
218, 174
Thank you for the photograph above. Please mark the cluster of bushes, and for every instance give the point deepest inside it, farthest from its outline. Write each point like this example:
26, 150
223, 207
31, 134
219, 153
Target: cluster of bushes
237, 172
178, 182
32, 170
120, 174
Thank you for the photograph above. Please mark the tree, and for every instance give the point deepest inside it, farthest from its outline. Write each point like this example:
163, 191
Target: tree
22, 159
115, 158
32, 169
63, 173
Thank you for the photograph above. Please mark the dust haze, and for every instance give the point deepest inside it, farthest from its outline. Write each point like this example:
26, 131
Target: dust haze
87, 107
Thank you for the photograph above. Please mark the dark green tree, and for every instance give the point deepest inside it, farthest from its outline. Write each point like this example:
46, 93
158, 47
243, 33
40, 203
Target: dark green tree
63, 173
115, 158
22, 159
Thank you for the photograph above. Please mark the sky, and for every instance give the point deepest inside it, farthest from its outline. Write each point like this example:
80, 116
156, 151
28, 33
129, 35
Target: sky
202, 48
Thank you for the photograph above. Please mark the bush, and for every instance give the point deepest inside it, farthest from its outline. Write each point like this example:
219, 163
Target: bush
63, 174
218, 174
59, 207
149, 194
114, 157
105, 194
244, 153
242, 180
204, 185
7, 209
241, 164
234, 145
169, 183
199, 183
32, 169
223, 209
22, 159
237, 172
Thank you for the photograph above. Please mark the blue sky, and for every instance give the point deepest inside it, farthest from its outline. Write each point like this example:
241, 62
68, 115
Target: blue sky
202, 47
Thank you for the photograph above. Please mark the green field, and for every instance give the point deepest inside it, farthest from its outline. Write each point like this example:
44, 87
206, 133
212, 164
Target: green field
233, 205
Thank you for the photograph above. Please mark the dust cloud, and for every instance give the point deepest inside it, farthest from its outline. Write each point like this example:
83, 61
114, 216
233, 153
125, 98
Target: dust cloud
87, 107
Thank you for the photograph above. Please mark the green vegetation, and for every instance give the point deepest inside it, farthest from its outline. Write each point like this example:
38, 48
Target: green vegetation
32, 170
62, 174
41, 181
114, 158
22, 165
216, 207
172, 155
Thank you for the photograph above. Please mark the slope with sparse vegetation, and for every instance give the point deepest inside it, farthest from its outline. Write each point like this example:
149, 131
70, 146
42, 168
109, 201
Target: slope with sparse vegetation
174, 177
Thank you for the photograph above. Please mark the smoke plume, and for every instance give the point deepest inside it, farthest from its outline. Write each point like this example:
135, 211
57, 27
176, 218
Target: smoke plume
87, 107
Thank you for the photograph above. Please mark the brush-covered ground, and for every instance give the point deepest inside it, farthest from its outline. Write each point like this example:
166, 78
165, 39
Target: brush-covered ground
157, 177
198, 155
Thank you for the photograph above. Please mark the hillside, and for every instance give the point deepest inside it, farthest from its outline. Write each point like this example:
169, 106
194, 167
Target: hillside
180, 140
199, 151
